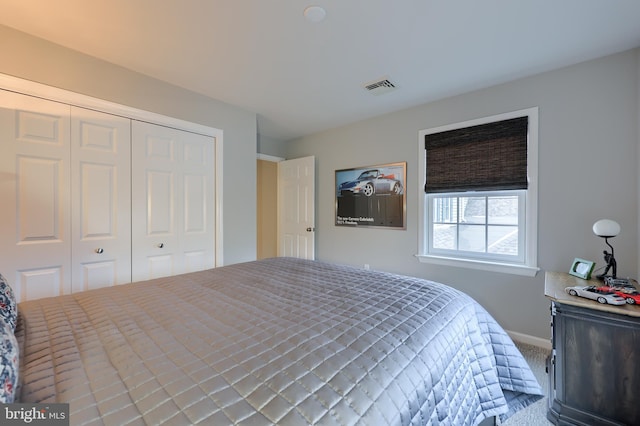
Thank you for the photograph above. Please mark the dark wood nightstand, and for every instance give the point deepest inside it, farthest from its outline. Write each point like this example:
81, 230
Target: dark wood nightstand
594, 367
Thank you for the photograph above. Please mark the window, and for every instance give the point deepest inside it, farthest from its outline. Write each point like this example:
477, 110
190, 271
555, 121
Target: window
480, 225
479, 193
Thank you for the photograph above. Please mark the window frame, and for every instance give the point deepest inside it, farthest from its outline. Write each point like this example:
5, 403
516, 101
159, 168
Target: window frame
527, 265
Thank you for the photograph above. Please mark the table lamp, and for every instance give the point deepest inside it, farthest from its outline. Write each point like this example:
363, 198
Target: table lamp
606, 229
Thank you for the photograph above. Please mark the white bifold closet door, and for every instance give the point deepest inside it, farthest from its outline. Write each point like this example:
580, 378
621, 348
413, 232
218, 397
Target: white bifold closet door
65, 223
100, 199
92, 199
173, 190
35, 237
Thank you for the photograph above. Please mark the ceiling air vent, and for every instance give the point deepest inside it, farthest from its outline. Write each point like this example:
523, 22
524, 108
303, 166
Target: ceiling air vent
379, 87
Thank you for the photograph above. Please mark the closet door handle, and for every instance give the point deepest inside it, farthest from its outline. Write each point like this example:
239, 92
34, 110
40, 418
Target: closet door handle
99, 250
161, 245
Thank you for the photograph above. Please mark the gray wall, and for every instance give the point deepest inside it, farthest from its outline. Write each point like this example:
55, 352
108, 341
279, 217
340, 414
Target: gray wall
588, 160
34, 59
270, 146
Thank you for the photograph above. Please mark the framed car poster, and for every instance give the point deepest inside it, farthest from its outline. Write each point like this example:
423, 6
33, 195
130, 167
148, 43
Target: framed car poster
373, 196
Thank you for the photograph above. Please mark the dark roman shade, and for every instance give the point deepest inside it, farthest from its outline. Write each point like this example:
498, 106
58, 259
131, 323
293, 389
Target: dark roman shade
486, 157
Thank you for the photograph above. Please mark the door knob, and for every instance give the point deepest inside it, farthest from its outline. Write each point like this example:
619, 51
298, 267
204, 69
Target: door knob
99, 250
310, 229
160, 245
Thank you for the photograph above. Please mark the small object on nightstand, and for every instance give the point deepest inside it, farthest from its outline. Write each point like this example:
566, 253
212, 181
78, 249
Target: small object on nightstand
582, 268
617, 282
606, 229
628, 291
598, 294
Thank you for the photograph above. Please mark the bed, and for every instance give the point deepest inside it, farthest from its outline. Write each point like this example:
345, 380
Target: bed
279, 341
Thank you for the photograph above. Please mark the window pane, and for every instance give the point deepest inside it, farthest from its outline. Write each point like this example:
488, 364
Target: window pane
503, 240
445, 210
472, 238
480, 226
503, 210
473, 209
444, 237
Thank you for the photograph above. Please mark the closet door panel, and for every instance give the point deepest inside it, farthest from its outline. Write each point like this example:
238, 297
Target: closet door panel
160, 266
155, 168
161, 201
34, 186
173, 201
101, 199
198, 191
39, 282
39, 213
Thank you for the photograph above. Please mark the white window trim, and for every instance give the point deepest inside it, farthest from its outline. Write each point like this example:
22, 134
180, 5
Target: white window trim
530, 265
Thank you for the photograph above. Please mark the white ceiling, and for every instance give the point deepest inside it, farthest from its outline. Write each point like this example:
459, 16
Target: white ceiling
302, 77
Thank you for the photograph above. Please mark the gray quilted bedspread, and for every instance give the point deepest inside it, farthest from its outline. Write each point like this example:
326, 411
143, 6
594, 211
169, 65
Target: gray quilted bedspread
281, 341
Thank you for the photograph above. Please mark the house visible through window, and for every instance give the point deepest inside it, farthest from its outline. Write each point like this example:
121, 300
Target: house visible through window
480, 193
486, 225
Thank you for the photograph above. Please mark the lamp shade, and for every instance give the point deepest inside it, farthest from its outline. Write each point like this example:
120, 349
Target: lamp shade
314, 13
606, 228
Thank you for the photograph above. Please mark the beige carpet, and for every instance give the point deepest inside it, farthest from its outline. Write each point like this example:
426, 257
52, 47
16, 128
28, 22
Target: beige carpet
535, 414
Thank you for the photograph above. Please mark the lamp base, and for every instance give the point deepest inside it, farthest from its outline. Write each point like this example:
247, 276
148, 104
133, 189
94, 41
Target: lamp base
612, 265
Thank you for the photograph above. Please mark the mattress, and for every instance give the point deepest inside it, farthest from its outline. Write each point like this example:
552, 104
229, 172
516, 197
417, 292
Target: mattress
279, 341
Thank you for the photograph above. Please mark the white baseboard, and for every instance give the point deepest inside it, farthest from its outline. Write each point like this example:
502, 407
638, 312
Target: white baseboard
530, 340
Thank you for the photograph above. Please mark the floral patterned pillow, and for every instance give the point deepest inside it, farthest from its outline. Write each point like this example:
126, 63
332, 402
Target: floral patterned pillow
8, 364
8, 305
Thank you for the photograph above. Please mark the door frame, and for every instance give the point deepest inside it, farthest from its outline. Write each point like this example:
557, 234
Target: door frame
275, 160
32, 88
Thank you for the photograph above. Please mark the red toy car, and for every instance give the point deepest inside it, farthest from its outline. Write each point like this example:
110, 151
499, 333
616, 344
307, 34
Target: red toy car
630, 294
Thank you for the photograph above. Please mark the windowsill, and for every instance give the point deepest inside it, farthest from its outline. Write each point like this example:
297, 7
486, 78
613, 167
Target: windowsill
506, 268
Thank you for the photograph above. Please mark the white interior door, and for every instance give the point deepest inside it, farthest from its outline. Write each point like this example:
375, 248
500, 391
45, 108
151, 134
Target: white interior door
101, 199
34, 186
173, 221
296, 208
